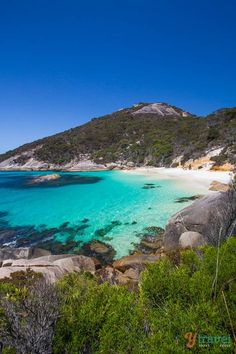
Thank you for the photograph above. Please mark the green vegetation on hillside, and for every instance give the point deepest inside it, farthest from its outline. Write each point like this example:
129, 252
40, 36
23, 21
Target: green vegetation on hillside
139, 138
195, 295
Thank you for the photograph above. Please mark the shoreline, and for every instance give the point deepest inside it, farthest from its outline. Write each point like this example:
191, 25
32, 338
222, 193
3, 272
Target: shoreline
192, 179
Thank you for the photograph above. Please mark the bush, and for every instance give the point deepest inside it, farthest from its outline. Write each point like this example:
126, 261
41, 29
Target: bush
103, 319
176, 295
190, 297
27, 321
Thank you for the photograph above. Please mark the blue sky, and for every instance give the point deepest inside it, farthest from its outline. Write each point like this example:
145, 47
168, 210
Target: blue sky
63, 62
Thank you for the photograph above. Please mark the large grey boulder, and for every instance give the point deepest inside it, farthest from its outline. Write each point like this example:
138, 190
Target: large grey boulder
22, 252
52, 267
191, 239
213, 216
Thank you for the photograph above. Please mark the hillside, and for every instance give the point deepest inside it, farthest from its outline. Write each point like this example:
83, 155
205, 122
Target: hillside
154, 134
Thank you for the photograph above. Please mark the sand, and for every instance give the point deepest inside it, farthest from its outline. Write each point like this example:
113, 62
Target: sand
194, 179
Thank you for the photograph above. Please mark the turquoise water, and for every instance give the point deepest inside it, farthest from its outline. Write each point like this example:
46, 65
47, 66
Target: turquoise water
115, 197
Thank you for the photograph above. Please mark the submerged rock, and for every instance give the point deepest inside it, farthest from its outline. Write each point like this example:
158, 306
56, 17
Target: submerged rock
99, 247
148, 247
154, 230
56, 247
85, 220
45, 178
148, 187
49, 181
187, 199
151, 240
42, 237
102, 232
103, 252
3, 214
213, 216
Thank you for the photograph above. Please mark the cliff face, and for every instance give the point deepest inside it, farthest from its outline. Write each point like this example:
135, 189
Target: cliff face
155, 134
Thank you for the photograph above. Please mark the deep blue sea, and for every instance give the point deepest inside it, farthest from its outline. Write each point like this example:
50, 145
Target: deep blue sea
111, 206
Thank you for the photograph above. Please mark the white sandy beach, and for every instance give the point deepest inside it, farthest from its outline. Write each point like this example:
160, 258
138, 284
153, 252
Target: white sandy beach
194, 179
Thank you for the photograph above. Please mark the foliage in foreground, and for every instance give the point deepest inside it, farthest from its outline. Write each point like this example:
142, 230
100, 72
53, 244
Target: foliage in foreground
194, 296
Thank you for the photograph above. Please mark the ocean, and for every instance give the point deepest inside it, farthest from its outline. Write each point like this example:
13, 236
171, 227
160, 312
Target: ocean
110, 206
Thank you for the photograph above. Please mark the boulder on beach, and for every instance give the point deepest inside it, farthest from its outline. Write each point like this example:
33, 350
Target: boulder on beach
213, 216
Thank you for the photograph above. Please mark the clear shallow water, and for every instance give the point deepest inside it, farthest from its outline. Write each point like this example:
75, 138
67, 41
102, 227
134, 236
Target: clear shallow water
114, 197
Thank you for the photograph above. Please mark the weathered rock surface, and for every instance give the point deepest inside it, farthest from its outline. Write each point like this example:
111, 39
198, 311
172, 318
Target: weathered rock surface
22, 253
108, 274
99, 247
115, 276
161, 109
100, 250
53, 267
191, 239
83, 163
135, 261
213, 216
218, 186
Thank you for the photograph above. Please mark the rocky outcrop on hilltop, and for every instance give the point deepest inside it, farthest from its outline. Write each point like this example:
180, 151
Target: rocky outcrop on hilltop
161, 109
209, 220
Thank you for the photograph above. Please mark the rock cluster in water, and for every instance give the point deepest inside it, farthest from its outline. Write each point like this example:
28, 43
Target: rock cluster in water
187, 199
29, 235
150, 186
49, 181
45, 178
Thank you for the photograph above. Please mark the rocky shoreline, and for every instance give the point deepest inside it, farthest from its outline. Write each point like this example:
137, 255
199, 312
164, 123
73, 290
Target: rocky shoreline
208, 220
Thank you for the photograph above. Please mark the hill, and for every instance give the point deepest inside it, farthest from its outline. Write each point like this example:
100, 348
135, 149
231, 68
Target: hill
155, 134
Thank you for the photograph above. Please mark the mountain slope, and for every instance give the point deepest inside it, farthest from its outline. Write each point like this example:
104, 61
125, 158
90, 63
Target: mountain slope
153, 134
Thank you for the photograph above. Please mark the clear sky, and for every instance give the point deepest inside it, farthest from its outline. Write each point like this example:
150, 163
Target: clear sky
63, 62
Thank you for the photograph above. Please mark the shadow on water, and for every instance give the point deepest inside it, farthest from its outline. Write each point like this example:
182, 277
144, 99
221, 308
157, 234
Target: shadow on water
25, 182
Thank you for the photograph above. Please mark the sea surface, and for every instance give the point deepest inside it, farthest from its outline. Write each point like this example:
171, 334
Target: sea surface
110, 206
